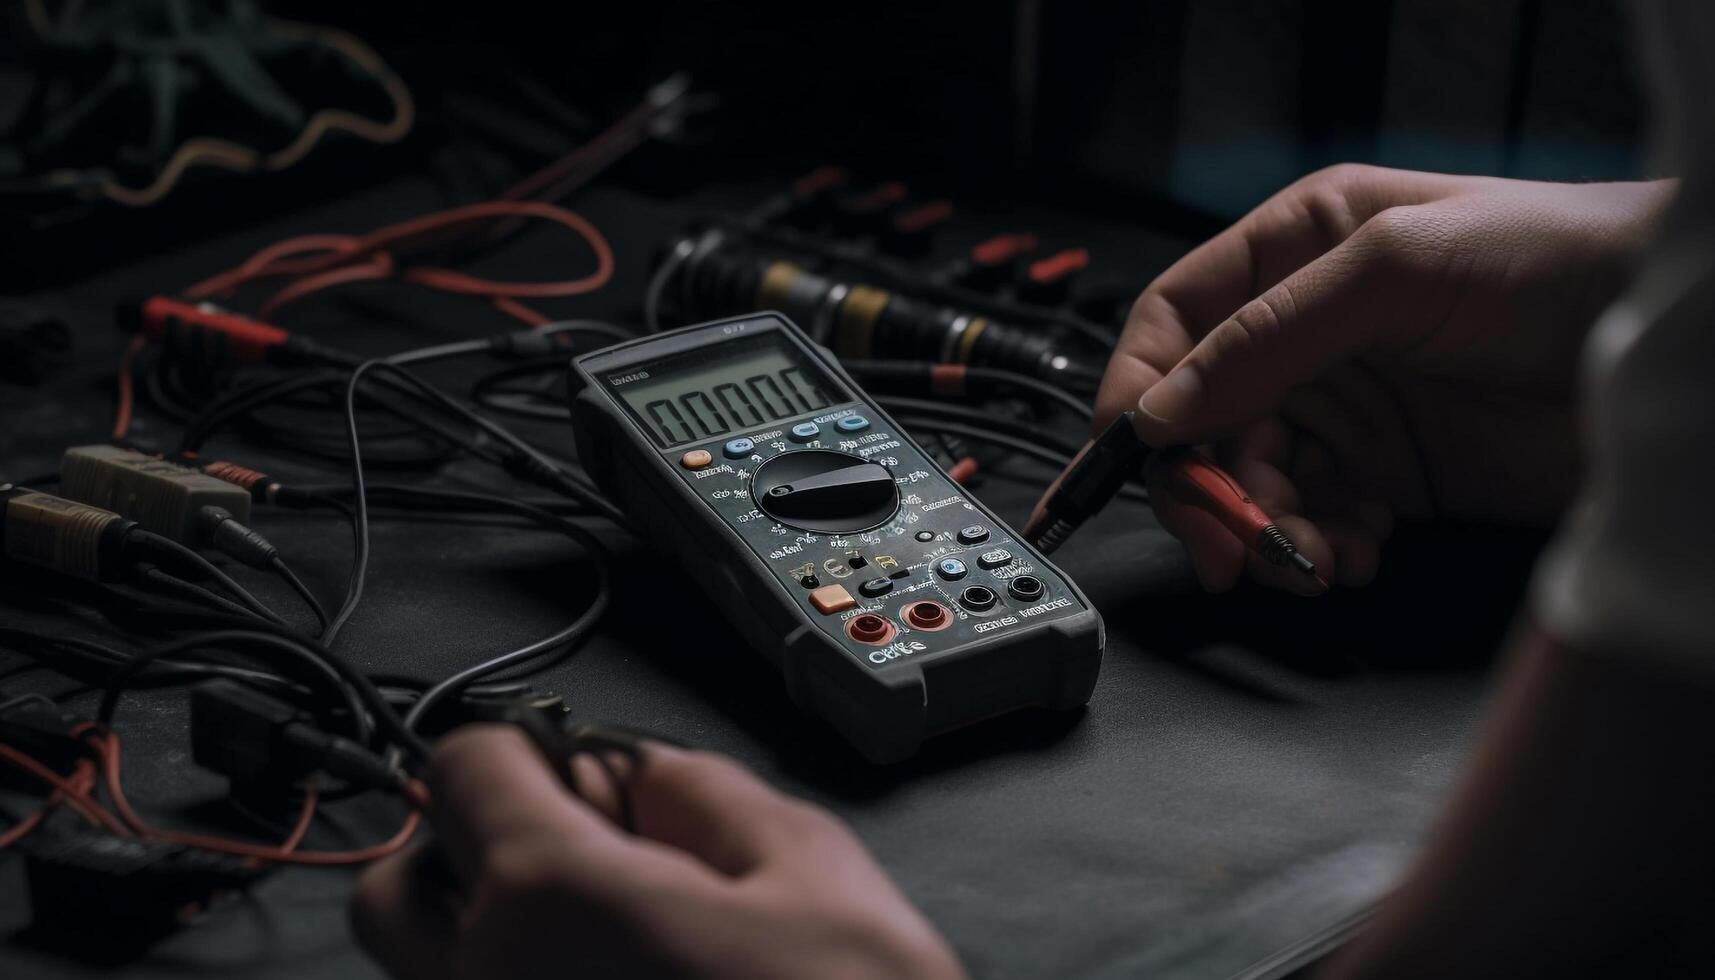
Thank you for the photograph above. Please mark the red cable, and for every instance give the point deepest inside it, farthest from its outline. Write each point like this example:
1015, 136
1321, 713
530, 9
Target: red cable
283, 853
82, 779
339, 252
127, 395
72, 793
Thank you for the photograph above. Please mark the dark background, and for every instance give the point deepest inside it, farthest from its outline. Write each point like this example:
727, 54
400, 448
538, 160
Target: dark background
1252, 771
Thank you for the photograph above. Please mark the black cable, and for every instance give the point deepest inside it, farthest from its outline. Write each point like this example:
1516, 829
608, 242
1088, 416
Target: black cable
659, 282
529, 461
970, 416
303, 591
356, 683
482, 391
567, 637
194, 592
360, 500
917, 372
104, 659
426, 498
1057, 460
167, 548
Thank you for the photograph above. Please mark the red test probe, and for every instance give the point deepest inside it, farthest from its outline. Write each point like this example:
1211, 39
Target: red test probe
1115, 456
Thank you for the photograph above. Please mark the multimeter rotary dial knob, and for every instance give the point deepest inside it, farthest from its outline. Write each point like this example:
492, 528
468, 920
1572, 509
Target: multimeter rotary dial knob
825, 491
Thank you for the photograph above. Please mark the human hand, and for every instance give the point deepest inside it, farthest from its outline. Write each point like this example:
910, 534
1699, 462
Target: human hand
1375, 344
725, 877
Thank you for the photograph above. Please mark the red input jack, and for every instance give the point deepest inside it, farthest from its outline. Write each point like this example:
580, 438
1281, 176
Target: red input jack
928, 615
870, 628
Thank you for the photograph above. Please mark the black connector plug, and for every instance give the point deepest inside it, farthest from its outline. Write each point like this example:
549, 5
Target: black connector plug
35, 725
260, 742
225, 534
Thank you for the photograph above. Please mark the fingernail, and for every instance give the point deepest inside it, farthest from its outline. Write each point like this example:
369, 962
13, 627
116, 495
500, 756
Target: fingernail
1174, 398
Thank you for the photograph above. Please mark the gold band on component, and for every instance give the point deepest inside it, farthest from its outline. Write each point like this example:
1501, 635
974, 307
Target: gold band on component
856, 328
776, 281
968, 339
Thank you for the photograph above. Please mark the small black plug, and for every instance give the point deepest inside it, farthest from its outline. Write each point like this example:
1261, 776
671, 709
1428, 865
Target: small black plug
224, 534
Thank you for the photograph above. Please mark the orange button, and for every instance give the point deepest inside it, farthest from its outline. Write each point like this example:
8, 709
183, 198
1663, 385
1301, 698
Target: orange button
696, 459
831, 599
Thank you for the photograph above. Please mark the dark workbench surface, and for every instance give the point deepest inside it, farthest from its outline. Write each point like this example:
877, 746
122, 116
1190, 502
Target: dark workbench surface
1251, 770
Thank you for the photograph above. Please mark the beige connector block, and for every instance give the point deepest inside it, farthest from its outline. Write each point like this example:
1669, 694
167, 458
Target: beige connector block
161, 496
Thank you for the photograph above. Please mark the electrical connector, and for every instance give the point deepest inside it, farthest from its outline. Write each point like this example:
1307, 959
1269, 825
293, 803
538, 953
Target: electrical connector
258, 741
42, 729
222, 532
162, 496
214, 338
63, 535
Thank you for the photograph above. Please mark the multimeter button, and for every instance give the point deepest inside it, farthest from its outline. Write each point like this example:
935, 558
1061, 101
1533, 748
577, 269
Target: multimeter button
876, 586
852, 423
925, 535
975, 534
899, 572
738, 448
856, 560
696, 459
950, 569
830, 599
995, 558
805, 431
810, 581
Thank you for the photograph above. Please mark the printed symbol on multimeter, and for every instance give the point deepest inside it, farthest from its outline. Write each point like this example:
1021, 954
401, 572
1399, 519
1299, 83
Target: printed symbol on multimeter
836, 568
886, 562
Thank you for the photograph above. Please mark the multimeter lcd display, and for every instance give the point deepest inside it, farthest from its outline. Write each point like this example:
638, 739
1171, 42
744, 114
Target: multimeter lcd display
735, 387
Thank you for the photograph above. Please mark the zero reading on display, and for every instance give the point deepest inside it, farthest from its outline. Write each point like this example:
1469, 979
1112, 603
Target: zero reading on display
704, 394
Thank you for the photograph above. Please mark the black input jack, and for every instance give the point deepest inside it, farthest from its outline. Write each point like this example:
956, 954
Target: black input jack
1026, 588
978, 598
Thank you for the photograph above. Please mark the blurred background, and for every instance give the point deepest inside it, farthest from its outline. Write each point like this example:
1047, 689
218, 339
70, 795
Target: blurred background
1176, 114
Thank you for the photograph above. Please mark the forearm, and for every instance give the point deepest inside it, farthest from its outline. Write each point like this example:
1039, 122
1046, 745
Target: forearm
1579, 842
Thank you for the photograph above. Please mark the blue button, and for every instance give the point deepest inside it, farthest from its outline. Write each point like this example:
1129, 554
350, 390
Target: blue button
853, 423
805, 431
738, 448
951, 569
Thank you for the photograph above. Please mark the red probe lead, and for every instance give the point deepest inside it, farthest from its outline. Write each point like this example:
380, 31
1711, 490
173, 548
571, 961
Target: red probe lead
1115, 456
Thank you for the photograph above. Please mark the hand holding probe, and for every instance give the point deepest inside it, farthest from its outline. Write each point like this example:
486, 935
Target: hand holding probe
1099, 471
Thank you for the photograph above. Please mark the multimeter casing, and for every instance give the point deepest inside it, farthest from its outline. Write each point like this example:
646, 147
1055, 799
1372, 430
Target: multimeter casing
882, 697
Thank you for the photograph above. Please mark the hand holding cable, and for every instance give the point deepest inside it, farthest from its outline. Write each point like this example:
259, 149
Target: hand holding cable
1369, 345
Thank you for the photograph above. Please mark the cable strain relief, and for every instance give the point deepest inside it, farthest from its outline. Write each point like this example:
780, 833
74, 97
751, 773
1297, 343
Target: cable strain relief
224, 534
343, 758
283, 495
530, 467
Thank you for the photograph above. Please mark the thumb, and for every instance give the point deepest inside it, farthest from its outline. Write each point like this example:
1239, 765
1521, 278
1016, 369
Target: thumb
1241, 370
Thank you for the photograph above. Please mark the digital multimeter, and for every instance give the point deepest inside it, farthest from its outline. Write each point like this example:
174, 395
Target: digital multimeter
895, 604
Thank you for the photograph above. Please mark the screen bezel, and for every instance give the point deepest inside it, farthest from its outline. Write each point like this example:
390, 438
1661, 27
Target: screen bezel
639, 354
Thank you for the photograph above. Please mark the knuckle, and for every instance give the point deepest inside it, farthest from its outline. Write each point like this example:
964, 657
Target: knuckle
1394, 229
1260, 323
1338, 175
